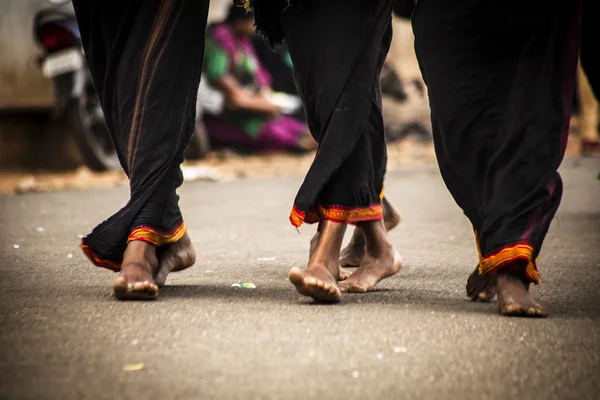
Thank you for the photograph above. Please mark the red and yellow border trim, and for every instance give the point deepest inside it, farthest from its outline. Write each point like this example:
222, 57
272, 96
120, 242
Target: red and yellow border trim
155, 237
143, 233
97, 260
506, 255
337, 214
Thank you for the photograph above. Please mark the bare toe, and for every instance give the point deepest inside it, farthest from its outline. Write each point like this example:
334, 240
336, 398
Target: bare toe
372, 271
344, 274
514, 298
481, 287
319, 289
124, 290
353, 288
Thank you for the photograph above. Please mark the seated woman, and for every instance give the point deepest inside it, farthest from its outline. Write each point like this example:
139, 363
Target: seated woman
249, 119
278, 63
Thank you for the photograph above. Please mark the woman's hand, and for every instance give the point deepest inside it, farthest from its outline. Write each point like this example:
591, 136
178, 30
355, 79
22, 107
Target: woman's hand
243, 100
239, 99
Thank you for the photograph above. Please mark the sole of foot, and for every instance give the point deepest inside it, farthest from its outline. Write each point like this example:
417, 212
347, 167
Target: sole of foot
174, 257
321, 290
481, 288
514, 299
144, 290
372, 271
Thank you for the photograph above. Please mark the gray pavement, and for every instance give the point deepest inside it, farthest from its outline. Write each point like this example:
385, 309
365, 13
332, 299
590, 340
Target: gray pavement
62, 336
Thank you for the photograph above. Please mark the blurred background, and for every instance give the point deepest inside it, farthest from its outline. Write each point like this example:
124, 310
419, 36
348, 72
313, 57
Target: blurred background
52, 134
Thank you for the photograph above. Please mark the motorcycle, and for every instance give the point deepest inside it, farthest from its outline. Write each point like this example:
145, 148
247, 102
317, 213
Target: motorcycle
63, 62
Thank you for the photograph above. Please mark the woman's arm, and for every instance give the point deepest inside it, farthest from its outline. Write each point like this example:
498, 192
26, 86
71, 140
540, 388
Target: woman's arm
237, 98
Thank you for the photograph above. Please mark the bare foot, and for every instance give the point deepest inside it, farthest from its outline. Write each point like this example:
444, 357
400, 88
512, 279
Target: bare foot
344, 273
481, 287
391, 215
135, 281
322, 271
382, 260
513, 295
317, 283
174, 257
354, 253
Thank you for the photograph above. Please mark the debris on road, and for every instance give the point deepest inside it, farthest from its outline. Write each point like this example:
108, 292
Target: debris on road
246, 285
16, 246
133, 367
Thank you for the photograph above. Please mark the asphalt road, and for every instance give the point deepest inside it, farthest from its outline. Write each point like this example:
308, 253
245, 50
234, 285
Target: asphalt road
417, 337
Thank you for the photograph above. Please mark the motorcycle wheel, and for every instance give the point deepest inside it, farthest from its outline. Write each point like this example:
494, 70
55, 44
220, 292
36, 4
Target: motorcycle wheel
91, 134
199, 145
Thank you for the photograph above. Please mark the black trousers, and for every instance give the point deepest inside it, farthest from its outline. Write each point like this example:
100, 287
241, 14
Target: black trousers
500, 82
590, 34
145, 57
338, 48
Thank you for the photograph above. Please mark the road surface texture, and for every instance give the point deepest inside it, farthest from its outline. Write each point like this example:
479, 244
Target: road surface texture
417, 337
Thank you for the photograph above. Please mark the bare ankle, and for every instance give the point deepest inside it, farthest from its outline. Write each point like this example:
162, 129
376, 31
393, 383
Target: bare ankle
375, 234
327, 251
514, 271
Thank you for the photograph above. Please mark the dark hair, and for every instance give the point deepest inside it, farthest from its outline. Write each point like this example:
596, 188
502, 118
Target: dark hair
238, 13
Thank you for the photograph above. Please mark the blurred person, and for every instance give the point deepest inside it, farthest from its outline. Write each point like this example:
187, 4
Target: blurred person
500, 87
145, 58
249, 118
588, 114
338, 48
584, 114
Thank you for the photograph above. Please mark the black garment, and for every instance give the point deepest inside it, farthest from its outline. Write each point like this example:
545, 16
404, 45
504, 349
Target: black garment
590, 35
338, 48
500, 84
404, 8
282, 78
145, 58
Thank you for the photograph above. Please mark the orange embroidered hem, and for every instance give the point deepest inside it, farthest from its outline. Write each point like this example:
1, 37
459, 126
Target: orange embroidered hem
520, 251
97, 261
143, 233
154, 237
337, 214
